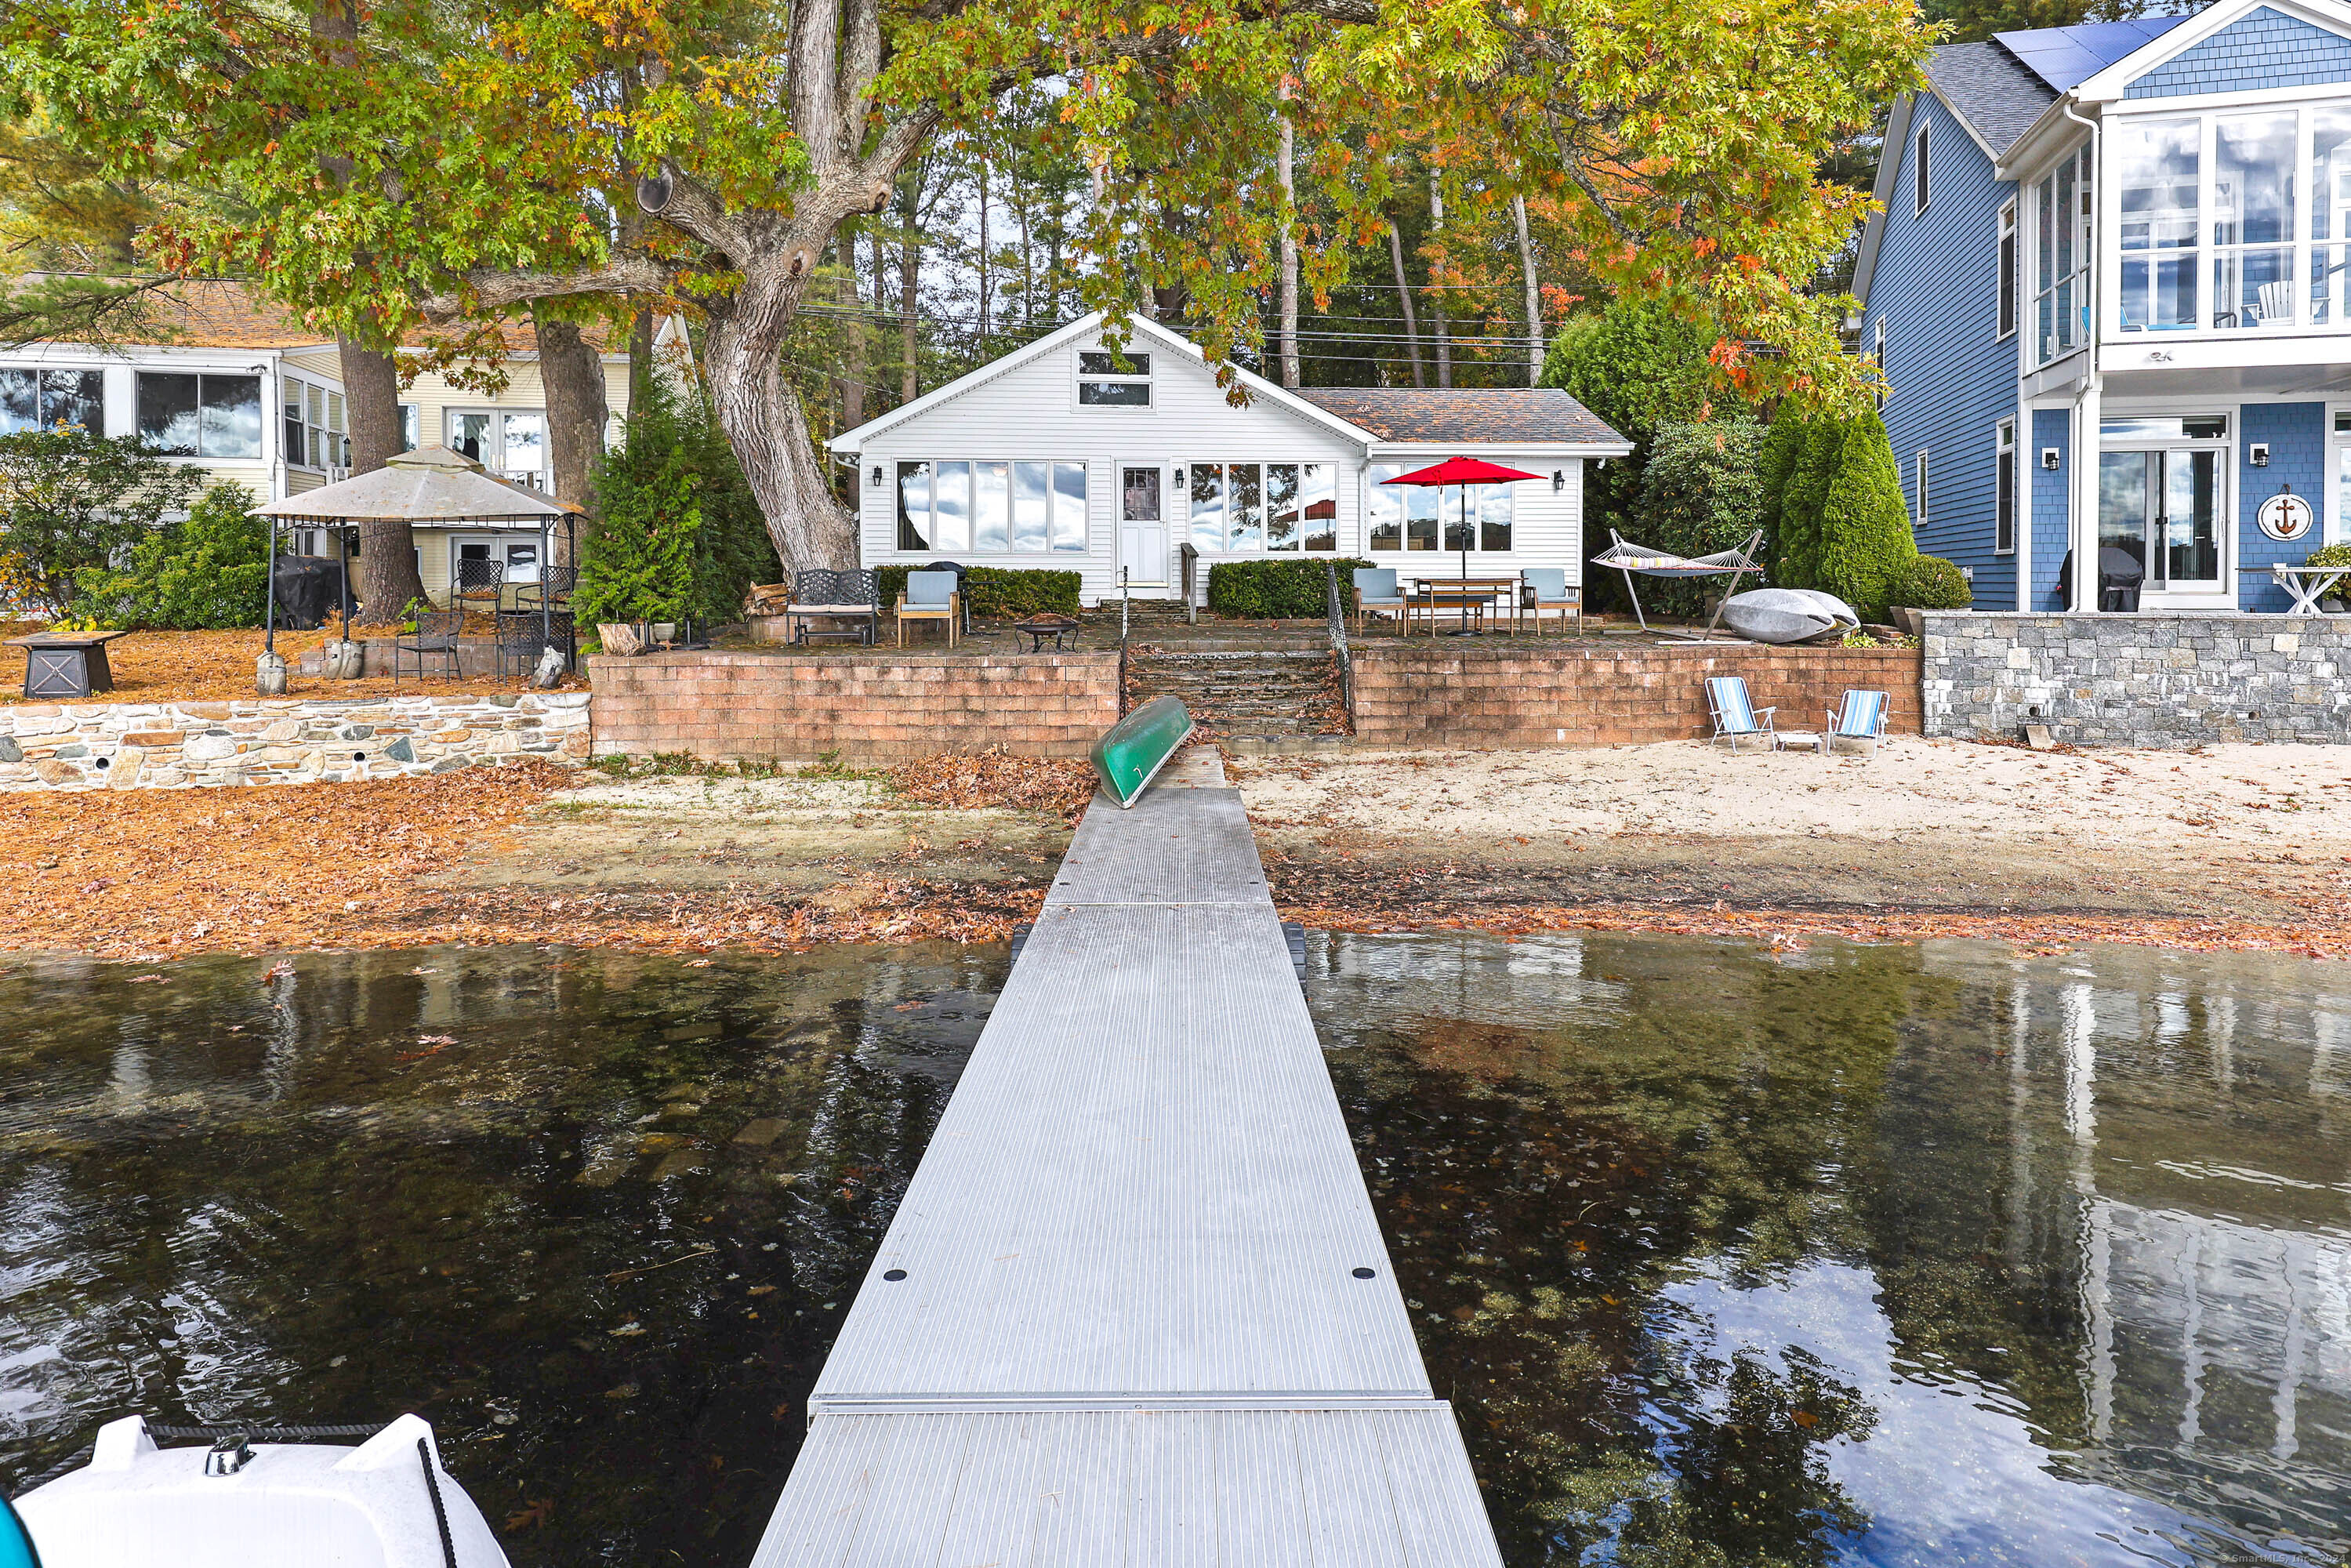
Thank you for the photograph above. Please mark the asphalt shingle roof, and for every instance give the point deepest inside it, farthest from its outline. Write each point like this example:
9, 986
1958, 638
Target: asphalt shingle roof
1466, 415
1987, 86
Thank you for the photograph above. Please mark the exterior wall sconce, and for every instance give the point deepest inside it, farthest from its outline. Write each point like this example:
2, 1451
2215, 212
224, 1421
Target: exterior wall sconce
875, 477
2258, 454
2049, 458
1558, 479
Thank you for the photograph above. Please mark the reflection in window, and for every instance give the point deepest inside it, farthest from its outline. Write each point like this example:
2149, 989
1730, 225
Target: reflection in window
991, 503
1498, 508
1247, 506
1282, 530
182, 415
951, 508
1069, 506
525, 447
1318, 505
2330, 216
2060, 284
2252, 221
2156, 164
1208, 507
1030, 505
1420, 516
1382, 506
914, 506
995, 507
43, 400
1112, 380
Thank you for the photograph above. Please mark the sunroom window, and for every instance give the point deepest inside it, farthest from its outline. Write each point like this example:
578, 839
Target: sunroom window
2156, 172
2330, 216
2252, 221
2061, 272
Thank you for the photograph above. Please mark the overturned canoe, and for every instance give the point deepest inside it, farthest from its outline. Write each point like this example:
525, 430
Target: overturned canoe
1132, 751
1778, 615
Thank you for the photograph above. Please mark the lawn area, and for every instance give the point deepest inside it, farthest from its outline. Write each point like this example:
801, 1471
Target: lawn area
216, 666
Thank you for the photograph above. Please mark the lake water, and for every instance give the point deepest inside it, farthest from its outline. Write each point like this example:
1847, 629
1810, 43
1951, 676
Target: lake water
1827, 1255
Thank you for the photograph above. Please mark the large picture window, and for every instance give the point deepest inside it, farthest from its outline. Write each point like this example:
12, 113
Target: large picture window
1423, 517
43, 400
2252, 221
992, 507
184, 415
1242, 509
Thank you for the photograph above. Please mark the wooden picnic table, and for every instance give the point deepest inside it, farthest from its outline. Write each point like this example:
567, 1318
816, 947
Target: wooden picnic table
65, 664
1467, 595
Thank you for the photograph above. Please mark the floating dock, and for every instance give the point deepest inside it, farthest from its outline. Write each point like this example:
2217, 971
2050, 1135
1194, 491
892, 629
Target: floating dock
1135, 1308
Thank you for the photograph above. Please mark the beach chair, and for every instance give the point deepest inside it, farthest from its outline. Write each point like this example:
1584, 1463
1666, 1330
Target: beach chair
1735, 717
1860, 716
1375, 590
930, 596
1542, 588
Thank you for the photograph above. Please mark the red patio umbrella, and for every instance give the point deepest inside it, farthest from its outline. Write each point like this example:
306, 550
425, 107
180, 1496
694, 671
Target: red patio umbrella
1464, 472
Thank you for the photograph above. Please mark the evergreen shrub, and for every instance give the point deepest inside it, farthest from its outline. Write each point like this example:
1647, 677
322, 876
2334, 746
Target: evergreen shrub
1293, 590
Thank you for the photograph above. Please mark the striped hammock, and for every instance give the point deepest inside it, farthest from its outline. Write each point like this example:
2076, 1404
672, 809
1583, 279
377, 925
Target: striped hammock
1624, 556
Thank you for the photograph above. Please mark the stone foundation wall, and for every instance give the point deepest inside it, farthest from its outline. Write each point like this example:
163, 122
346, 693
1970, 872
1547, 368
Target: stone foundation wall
865, 704
2140, 680
1512, 695
168, 745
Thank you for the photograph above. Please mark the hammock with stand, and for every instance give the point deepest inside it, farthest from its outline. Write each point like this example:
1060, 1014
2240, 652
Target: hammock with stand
1629, 558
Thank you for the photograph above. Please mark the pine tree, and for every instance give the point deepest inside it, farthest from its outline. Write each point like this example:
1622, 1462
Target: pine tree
1864, 537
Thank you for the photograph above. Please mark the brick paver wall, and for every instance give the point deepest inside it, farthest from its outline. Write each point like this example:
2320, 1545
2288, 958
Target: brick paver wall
1509, 695
728, 706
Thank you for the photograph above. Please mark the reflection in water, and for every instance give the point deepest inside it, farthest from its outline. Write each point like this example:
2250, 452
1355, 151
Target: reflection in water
596, 1217
1868, 1255
1883, 1255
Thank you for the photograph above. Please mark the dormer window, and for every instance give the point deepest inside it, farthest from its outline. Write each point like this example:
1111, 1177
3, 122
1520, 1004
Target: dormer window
1108, 379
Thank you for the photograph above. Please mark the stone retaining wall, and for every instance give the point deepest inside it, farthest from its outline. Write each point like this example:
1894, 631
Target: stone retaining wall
2140, 680
866, 704
166, 746
1512, 695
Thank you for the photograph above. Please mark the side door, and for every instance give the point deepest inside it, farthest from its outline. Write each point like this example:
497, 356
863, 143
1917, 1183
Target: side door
1142, 524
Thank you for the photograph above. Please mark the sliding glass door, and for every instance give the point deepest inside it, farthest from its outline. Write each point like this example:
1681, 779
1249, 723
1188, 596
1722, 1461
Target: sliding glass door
2163, 509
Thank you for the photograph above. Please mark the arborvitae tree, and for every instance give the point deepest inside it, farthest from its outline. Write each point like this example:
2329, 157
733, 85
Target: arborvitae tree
1799, 503
1865, 540
1783, 444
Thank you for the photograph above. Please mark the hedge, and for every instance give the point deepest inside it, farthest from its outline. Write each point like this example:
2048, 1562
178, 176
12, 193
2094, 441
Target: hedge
1284, 590
996, 589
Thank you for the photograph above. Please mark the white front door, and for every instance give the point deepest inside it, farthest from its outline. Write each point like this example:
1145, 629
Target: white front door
1142, 524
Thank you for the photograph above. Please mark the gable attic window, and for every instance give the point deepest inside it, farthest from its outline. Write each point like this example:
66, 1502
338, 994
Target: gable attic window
1107, 379
1919, 172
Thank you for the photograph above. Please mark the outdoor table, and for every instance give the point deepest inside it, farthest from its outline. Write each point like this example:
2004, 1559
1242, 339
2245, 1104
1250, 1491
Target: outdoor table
1468, 596
2309, 584
1038, 630
65, 664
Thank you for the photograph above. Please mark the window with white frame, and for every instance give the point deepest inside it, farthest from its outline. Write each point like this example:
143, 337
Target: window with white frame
316, 435
43, 400
1242, 508
2003, 519
1919, 479
2338, 525
992, 507
1877, 358
2005, 316
184, 415
1110, 379
509, 442
1920, 188
2060, 284
1431, 517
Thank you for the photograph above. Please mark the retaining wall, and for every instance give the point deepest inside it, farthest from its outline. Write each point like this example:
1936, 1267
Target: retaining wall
2140, 680
863, 704
1513, 696
167, 746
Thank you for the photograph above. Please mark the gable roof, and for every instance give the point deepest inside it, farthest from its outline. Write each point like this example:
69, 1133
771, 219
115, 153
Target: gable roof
2066, 58
1989, 90
1466, 415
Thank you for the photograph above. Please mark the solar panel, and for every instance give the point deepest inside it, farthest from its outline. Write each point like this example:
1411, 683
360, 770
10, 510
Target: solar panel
2064, 57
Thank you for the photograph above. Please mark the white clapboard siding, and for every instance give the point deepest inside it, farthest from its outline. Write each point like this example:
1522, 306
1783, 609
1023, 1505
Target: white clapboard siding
1028, 411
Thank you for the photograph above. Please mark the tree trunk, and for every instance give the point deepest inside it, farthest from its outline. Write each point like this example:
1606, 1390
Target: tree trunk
765, 424
1403, 296
980, 341
1534, 295
388, 580
573, 374
910, 288
1437, 326
852, 302
1289, 341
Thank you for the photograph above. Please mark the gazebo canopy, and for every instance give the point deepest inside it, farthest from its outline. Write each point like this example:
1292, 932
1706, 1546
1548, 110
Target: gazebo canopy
431, 484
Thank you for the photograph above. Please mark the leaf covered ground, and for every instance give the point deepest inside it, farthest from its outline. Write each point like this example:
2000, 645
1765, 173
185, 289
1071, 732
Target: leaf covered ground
217, 667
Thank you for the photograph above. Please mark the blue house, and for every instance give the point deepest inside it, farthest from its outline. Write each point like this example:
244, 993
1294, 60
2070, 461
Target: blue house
2110, 288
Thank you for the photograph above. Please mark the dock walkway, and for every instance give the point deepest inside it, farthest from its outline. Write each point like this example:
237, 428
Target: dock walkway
1136, 1307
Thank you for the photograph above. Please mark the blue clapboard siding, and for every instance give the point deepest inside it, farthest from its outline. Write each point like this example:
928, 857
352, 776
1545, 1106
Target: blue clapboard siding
2263, 49
2296, 433
2051, 505
1937, 287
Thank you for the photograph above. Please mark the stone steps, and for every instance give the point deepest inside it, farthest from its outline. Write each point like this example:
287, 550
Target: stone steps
1255, 694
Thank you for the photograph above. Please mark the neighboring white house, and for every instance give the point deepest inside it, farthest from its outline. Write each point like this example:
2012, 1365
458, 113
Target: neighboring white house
1066, 455
244, 391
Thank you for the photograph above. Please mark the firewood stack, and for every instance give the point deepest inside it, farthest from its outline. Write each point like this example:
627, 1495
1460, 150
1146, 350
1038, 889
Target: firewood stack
766, 598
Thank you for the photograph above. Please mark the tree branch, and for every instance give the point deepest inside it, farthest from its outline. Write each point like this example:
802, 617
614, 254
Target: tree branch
496, 290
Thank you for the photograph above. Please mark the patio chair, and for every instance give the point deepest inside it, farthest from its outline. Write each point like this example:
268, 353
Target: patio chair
1542, 588
1860, 716
930, 596
436, 637
962, 594
524, 635
478, 582
1735, 717
556, 584
1375, 590
854, 597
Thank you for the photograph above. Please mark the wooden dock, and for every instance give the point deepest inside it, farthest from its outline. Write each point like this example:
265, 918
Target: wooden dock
1135, 1308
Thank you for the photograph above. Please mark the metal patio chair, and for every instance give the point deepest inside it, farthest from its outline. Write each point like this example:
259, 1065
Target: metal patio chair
1376, 593
436, 637
477, 584
1735, 717
1859, 716
556, 585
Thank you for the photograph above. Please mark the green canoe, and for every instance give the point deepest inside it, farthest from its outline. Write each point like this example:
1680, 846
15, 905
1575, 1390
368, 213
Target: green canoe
1132, 751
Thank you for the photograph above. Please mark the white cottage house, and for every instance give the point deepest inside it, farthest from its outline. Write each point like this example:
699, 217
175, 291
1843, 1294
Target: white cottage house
1066, 454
